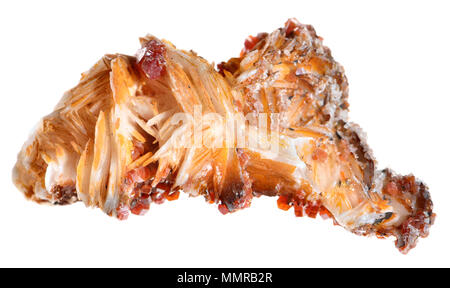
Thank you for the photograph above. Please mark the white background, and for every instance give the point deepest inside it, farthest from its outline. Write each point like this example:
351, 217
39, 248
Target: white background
396, 56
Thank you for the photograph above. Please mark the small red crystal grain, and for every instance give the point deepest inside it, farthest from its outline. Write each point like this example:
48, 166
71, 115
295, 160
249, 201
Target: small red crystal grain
298, 209
140, 206
151, 59
163, 187
324, 213
251, 42
158, 198
122, 212
221, 67
392, 189
223, 209
311, 209
143, 174
283, 203
172, 196
408, 184
146, 188
291, 25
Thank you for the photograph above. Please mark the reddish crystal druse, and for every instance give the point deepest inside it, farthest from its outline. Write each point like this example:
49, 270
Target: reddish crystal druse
151, 60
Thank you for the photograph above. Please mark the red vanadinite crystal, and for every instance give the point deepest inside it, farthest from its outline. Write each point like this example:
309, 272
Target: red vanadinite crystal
221, 67
223, 209
122, 212
157, 198
251, 42
311, 209
291, 25
140, 206
298, 209
171, 196
143, 174
283, 203
151, 59
392, 189
324, 213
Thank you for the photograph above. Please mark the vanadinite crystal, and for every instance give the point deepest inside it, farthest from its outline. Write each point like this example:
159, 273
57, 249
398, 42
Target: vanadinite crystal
151, 59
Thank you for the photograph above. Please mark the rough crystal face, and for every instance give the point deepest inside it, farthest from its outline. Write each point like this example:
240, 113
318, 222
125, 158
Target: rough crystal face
151, 59
138, 131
